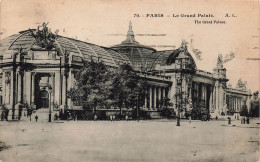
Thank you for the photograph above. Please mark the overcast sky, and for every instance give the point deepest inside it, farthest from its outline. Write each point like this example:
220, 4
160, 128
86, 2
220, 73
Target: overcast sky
105, 23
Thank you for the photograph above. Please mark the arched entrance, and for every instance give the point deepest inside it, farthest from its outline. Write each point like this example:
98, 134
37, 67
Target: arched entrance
44, 99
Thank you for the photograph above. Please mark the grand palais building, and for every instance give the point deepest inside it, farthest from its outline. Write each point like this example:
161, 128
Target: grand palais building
42, 78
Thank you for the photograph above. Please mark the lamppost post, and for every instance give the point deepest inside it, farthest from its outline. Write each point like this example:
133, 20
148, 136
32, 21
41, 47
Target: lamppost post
50, 88
179, 83
137, 108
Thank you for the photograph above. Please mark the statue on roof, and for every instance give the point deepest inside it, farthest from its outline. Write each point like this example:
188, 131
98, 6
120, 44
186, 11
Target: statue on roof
44, 37
241, 84
220, 61
184, 45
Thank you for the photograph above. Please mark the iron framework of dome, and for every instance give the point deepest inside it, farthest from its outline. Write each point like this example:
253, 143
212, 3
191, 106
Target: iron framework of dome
86, 50
136, 52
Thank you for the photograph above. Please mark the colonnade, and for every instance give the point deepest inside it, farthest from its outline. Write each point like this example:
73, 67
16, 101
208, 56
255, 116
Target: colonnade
235, 103
206, 93
154, 97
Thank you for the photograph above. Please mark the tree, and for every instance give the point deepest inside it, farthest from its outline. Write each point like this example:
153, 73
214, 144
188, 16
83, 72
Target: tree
244, 111
254, 111
128, 87
93, 86
165, 111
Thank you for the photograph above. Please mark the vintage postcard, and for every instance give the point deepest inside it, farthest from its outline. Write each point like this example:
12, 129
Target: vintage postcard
121, 80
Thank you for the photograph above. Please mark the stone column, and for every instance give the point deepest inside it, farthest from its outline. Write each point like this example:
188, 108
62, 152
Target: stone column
210, 99
3, 88
69, 80
150, 97
248, 102
11, 88
236, 104
33, 88
202, 92
63, 89
217, 96
57, 87
214, 98
155, 97
20, 80
28, 87
159, 96
52, 79
205, 95
163, 92
145, 100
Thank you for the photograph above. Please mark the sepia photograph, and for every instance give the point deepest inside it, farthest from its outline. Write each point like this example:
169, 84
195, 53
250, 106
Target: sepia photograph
129, 81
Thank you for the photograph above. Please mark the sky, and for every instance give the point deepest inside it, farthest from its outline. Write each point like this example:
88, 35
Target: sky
105, 23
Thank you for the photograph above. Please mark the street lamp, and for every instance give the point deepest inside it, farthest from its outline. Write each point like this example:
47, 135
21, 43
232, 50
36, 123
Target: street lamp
179, 93
50, 88
137, 108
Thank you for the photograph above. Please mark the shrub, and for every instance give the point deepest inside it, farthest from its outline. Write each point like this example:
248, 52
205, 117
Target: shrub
167, 113
244, 111
142, 114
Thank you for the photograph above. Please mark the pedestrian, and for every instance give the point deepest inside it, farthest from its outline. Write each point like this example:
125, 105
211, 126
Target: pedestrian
55, 116
114, 117
247, 120
111, 118
126, 117
95, 117
36, 118
229, 120
2, 116
216, 117
68, 116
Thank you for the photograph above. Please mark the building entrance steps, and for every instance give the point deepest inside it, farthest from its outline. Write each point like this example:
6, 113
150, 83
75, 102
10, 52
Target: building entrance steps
43, 115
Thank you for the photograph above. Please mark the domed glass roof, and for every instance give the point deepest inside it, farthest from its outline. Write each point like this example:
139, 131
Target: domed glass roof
86, 50
168, 57
136, 52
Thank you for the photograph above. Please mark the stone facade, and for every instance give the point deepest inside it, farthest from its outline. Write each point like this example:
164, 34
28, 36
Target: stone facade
42, 79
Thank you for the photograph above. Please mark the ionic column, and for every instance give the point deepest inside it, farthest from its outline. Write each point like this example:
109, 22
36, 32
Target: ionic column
8, 88
159, 95
69, 80
3, 88
205, 95
145, 100
33, 88
11, 88
52, 79
63, 89
28, 86
20, 80
236, 104
163, 92
150, 97
57, 87
210, 99
202, 92
217, 97
155, 98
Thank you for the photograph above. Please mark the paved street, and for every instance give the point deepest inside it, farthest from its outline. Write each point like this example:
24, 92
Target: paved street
156, 140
